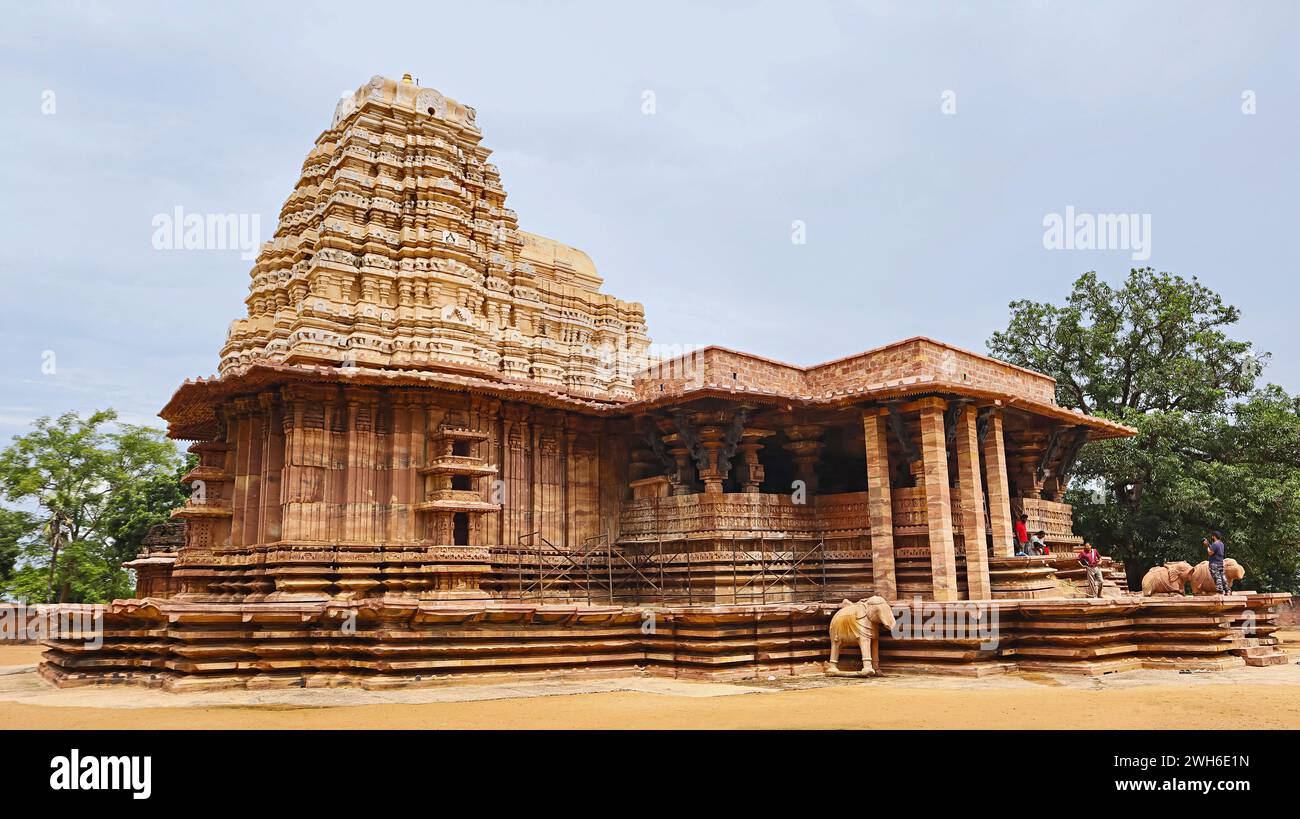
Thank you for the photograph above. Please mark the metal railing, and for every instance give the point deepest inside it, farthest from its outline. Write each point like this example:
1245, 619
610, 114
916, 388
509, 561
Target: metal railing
566, 574
780, 569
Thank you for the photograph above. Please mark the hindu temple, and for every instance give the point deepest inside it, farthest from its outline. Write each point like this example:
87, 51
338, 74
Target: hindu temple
436, 449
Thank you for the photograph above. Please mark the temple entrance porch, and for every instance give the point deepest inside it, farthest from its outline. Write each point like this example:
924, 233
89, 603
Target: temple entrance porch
916, 494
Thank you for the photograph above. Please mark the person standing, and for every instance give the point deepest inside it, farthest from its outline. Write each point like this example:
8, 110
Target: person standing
1022, 536
1090, 558
1214, 551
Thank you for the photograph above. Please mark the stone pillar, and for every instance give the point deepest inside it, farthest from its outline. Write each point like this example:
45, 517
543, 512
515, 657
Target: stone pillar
352, 472
711, 435
401, 503
938, 499
972, 507
682, 479
239, 430
752, 472
272, 469
879, 509
536, 518
291, 482
568, 477
515, 473
1027, 482
331, 454
805, 448
995, 468
252, 509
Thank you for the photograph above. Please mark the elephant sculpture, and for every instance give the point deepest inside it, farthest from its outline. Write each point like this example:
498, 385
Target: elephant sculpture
859, 623
1167, 579
1203, 581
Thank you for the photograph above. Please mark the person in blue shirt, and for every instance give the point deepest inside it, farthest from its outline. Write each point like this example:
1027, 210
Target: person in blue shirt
1214, 553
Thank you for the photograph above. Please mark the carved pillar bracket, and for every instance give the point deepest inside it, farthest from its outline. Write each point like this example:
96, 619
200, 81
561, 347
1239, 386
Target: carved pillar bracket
1044, 467
910, 452
982, 424
1071, 454
732, 439
950, 418
655, 440
688, 437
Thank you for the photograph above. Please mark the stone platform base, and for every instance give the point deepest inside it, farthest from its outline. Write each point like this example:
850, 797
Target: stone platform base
395, 642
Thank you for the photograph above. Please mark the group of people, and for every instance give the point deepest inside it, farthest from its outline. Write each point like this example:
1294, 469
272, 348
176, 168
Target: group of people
1090, 559
1029, 545
1034, 545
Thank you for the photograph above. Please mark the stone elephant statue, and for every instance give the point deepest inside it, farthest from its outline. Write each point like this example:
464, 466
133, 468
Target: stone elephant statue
1203, 581
1167, 579
860, 623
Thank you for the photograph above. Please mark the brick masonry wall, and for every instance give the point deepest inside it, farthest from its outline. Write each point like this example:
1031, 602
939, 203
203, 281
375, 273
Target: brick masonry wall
913, 358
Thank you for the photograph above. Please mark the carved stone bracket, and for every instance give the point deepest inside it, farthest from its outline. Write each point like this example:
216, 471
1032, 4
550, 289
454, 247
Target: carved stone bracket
656, 443
1049, 455
1071, 454
910, 453
982, 423
734, 433
686, 433
950, 418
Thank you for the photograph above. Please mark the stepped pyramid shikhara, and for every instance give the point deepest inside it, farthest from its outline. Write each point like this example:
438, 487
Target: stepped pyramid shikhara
396, 250
432, 428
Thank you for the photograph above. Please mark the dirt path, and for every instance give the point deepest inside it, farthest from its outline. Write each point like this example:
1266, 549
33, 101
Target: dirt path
19, 655
1244, 698
841, 707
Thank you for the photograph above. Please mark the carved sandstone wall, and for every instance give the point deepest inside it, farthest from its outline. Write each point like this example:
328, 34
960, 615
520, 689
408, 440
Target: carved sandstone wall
328, 491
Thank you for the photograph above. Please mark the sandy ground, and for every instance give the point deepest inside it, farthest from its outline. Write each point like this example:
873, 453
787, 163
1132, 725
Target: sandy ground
11, 654
1244, 698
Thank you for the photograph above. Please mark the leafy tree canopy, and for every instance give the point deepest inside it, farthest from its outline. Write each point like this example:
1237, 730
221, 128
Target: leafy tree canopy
86, 489
1157, 343
1212, 452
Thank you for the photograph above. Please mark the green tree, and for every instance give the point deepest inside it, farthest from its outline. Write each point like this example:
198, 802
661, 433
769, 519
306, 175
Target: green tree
1156, 344
84, 488
1254, 472
15, 528
138, 505
1211, 452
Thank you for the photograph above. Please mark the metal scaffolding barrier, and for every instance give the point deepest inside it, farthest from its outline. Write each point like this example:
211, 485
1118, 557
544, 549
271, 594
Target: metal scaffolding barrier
759, 569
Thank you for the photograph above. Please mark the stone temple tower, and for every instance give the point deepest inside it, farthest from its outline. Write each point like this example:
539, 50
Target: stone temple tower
396, 250
358, 440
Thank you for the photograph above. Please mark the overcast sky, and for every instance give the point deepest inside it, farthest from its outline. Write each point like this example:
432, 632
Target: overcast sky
921, 146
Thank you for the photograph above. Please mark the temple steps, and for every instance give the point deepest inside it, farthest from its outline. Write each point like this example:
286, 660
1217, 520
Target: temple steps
384, 642
1262, 652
